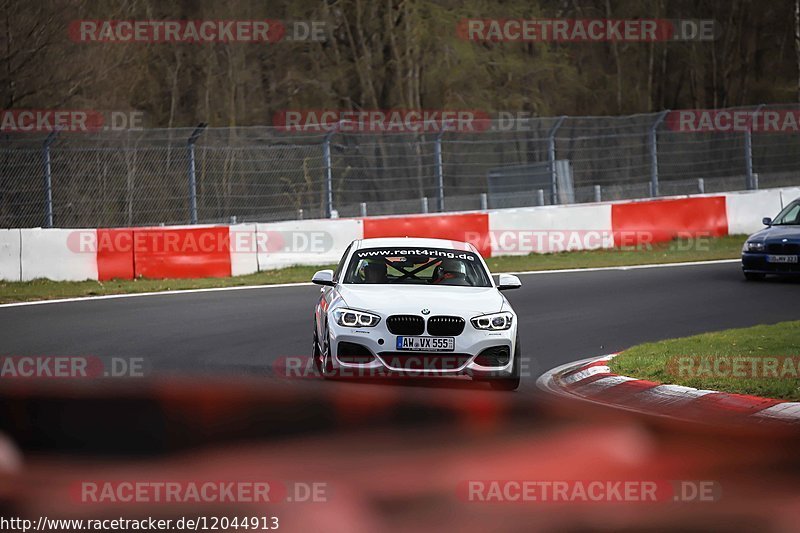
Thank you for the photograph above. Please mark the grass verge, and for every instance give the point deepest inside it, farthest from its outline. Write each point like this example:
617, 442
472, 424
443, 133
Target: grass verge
705, 249
761, 360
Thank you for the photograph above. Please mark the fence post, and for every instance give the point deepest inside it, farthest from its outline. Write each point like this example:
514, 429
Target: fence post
748, 152
484, 201
551, 158
363, 206
701, 185
48, 179
437, 153
198, 131
424, 204
598, 193
654, 153
326, 156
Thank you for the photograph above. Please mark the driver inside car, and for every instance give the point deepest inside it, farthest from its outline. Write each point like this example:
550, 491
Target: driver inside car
375, 272
449, 272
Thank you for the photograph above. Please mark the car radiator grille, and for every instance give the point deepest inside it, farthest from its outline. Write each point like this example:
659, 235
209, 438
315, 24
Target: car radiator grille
783, 248
405, 325
445, 326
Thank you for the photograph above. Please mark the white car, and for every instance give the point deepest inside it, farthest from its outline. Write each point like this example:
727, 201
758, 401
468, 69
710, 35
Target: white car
416, 307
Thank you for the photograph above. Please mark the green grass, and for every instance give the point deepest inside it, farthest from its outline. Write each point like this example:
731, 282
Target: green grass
691, 361
674, 252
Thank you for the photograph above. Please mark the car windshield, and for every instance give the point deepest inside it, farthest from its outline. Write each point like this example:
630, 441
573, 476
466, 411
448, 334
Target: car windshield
790, 216
417, 266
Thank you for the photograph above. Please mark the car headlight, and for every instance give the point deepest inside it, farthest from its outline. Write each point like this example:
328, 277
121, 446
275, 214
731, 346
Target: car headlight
355, 319
753, 246
494, 321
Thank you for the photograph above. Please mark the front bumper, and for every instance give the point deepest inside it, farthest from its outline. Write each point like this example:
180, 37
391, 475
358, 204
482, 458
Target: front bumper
756, 263
472, 347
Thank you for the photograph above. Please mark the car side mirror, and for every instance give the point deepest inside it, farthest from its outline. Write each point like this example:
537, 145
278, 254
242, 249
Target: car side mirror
323, 277
507, 282
766, 221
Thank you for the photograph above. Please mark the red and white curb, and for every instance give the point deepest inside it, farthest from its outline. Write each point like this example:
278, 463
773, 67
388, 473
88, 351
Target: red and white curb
592, 380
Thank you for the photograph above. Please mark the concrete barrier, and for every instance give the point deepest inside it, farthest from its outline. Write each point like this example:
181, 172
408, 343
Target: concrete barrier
55, 254
550, 229
746, 209
244, 249
305, 242
10, 259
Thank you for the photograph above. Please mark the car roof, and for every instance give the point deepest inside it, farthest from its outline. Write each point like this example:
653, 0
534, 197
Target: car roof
383, 242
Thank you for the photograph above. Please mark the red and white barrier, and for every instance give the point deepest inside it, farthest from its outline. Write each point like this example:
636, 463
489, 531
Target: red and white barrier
217, 251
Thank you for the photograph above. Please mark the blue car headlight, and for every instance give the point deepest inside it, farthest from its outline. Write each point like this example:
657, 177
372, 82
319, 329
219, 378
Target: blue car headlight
494, 321
753, 246
355, 319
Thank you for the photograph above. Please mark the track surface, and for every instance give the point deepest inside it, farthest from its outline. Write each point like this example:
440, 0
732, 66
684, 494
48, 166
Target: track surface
563, 317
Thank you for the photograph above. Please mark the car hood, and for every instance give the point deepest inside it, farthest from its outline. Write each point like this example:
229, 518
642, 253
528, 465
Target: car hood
412, 299
777, 233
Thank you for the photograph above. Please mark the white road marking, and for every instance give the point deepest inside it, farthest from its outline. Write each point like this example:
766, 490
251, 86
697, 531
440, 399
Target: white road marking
161, 293
631, 267
248, 287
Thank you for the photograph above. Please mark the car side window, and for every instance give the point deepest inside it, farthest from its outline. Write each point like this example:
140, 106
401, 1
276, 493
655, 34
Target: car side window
340, 266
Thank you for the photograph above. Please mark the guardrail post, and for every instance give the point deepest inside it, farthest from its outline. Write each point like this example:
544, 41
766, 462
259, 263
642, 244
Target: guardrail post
654, 153
190, 142
551, 159
48, 179
748, 152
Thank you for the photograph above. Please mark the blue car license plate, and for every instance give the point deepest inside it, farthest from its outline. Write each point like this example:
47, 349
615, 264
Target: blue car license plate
781, 259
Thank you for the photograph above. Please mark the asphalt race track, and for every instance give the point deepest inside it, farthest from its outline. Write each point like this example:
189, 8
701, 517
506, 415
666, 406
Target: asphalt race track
563, 317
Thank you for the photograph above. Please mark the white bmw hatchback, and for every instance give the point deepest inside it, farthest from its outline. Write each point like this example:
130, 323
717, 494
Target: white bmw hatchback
416, 307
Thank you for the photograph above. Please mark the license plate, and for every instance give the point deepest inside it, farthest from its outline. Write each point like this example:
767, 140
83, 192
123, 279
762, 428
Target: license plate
781, 259
426, 344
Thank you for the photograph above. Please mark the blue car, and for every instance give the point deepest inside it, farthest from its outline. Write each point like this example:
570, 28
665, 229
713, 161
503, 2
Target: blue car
776, 248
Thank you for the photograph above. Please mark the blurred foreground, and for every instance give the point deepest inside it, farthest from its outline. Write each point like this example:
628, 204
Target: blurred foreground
390, 456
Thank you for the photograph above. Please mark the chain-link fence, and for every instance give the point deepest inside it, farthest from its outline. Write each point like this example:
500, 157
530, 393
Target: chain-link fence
211, 175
